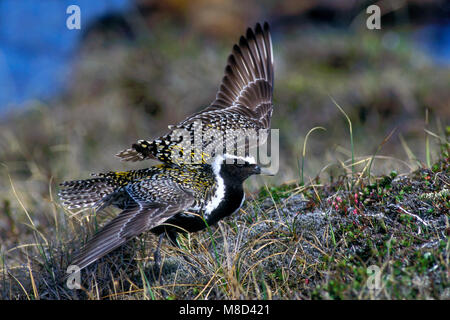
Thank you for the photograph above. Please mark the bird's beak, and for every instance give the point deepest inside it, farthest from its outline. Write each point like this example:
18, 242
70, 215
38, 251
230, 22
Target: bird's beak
266, 172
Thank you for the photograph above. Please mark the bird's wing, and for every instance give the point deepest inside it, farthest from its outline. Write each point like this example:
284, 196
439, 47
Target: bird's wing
245, 92
249, 77
155, 201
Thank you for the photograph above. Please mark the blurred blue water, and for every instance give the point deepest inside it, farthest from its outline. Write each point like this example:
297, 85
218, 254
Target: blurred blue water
36, 47
435, 40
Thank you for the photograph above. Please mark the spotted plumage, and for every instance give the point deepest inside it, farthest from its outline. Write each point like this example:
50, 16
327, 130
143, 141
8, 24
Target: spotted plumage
185, 196
243, 102
163, 199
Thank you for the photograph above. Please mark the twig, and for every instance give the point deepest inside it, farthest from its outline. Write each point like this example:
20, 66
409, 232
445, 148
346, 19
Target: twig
413, 215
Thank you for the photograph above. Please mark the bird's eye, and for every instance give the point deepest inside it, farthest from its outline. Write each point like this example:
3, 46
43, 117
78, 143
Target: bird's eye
242, 164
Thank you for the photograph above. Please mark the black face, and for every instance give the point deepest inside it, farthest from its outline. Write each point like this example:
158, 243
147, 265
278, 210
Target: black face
239, 170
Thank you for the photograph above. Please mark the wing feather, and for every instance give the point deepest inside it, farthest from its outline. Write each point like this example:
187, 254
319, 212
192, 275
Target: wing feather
146, 212
246, 90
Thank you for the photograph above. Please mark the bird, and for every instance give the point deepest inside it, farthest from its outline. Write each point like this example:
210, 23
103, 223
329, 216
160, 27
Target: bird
165, 199
178, 196
243, 102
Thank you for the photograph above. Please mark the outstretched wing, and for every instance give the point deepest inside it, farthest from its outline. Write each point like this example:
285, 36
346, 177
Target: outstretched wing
243, 101
249, 77
153, 202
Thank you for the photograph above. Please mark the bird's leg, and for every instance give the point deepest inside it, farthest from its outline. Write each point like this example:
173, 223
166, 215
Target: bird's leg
173, 240
157, 258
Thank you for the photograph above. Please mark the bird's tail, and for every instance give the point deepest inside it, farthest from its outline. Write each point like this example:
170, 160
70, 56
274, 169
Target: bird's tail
94, 192
88, 193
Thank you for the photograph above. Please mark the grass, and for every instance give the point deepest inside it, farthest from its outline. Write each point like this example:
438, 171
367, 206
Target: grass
313, 241
350, 128
302, 179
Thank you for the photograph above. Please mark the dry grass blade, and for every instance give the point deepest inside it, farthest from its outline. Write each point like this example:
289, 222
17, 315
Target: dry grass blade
351, 133
302, 181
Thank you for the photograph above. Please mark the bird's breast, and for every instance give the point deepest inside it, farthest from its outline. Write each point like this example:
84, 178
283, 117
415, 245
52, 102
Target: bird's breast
229, 203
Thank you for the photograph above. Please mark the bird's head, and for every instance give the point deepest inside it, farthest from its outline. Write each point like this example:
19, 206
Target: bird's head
235, 167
